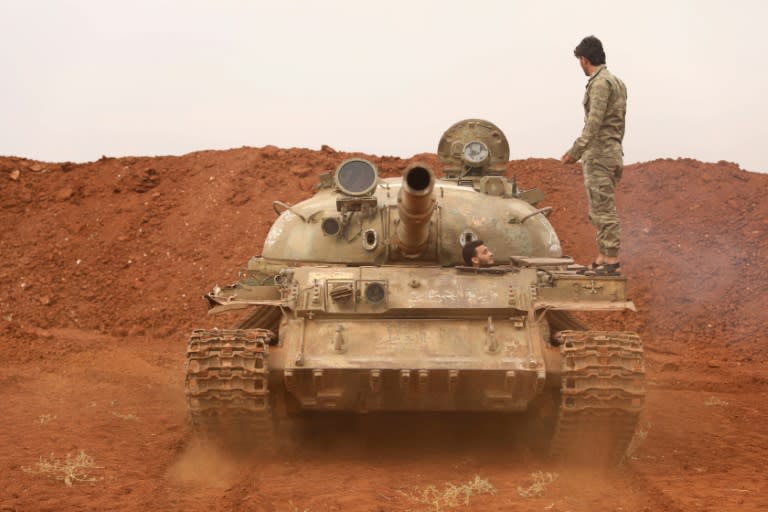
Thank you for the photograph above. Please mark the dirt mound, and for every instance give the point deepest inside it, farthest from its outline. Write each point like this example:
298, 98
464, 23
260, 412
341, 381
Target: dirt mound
128, 245
102, 269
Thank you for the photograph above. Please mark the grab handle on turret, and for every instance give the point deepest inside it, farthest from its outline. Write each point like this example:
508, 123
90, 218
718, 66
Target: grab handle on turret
545, 211
286, 206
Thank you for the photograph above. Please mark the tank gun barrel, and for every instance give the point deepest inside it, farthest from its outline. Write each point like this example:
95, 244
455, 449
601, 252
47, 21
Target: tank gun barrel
415, 205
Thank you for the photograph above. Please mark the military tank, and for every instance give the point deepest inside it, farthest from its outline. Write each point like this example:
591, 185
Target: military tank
361, 301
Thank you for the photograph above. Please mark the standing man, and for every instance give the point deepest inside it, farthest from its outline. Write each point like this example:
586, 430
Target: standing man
600, 151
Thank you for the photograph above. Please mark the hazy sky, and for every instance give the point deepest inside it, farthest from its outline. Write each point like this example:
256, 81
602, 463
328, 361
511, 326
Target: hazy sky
86, 78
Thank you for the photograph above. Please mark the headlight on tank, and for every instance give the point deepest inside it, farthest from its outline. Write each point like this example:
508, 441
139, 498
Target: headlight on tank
375, 292
331, 226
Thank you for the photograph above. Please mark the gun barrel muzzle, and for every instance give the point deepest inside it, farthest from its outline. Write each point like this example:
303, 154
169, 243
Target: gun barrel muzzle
415, 205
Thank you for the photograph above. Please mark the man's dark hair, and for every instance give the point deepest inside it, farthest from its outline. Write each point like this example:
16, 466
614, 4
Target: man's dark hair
470, 250
591, 48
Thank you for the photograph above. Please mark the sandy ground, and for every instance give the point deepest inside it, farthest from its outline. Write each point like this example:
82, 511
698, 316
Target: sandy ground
102, 266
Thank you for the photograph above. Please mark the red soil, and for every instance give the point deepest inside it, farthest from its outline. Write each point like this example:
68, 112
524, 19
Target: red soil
102, 266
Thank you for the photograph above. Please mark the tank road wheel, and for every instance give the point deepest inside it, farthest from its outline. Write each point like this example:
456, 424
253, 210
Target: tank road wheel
227, 391
602, 393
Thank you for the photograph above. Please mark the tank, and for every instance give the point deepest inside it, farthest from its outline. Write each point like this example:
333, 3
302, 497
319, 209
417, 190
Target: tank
361, 301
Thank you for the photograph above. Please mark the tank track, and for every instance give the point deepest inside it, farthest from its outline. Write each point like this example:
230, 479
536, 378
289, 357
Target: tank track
227, 377
602, 393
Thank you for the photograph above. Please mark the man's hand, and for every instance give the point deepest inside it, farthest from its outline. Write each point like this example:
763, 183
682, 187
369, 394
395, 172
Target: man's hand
567, 159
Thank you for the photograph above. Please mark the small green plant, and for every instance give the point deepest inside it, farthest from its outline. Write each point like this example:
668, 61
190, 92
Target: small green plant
452, 495
540, 481
73, 468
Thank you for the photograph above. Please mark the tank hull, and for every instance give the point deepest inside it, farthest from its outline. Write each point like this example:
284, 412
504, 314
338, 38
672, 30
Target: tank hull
436, 364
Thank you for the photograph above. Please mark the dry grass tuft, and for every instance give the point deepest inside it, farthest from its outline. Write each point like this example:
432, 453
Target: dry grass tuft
452, 495
714, 401
540, 481
127, 417
294, 508
641, 434
44, 419
73, 468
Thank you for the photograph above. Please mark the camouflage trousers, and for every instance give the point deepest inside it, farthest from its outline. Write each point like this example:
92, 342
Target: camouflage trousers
601, 175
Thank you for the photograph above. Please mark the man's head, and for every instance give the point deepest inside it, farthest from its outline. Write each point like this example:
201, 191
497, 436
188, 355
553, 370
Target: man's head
476, 254
590, 53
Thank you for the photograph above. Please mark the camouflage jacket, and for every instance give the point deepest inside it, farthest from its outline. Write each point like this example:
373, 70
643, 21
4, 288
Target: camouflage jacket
605, 106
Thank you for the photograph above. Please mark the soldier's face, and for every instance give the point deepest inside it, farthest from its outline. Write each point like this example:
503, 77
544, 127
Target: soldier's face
483, 257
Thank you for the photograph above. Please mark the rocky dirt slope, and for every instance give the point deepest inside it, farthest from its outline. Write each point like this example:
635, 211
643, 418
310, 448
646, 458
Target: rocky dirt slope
102, 268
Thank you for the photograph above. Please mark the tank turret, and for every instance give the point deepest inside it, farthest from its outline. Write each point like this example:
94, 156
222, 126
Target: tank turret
357, 218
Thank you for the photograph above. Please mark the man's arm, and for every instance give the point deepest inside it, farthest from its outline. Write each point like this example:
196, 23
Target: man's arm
599, 93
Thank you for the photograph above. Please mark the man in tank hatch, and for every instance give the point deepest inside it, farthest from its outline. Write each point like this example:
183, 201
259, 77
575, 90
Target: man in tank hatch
477, 255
